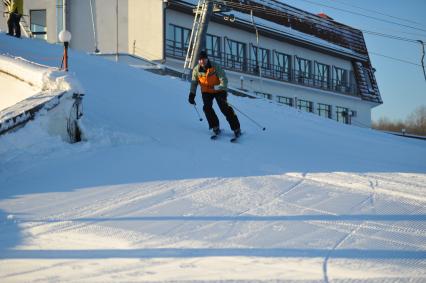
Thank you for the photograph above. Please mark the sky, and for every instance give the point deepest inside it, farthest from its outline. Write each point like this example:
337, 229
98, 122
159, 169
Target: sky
402, 86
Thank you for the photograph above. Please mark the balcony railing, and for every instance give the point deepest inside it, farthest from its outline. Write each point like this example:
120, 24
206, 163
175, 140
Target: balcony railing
270, 71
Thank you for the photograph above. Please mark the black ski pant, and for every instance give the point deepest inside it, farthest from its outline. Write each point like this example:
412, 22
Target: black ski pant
16, 25
224, 108
10, 25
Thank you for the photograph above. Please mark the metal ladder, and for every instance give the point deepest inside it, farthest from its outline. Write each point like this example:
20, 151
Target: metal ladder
24, 26
201, 6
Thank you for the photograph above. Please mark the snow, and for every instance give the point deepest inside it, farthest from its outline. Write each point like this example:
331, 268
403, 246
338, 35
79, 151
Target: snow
149, 197
13, 90
49, 88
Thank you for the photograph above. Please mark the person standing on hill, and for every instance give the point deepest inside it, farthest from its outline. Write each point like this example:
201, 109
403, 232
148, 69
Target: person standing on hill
213, 81
16, 23
11, 7
14, 19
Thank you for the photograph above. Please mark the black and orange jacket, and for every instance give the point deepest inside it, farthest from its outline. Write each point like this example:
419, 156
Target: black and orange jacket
211, 78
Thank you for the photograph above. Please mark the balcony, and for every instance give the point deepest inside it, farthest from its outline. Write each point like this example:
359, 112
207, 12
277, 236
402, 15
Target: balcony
270, 71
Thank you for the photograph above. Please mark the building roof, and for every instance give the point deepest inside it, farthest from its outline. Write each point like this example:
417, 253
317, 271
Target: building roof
321, 32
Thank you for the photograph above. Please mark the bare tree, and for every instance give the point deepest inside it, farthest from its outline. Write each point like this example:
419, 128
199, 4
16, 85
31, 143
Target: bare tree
415, 123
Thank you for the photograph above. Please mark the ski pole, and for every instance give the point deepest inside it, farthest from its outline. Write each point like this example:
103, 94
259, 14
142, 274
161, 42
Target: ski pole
260, 126
198, 113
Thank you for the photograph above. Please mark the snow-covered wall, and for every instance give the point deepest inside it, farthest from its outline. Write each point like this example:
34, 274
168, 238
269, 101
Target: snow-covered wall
20, 68
56, 89
46, 78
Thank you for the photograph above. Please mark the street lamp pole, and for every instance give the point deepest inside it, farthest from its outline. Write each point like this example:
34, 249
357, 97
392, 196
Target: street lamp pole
65, 37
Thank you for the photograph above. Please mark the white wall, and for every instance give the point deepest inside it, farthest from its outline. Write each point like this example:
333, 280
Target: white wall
105, 17
50, 7
146, 22
3, 18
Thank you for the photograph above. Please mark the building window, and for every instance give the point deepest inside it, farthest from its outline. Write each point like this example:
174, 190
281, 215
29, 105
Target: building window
38, 24
303, 70
342, 115
285, 100
178, 41
324, 110
213, 46
305, 105
340, 79
259, 58
263, 94
322, 75
282, 66
368, 76
235, 54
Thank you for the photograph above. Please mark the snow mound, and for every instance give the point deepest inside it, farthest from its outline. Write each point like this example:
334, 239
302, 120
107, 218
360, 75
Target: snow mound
56, 90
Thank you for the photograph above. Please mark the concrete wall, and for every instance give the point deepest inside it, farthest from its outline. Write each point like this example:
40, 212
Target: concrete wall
3, 18
50, 7
146, 28
105, 18
278, 88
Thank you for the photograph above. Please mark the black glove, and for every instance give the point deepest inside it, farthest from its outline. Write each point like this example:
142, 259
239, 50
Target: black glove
191, 98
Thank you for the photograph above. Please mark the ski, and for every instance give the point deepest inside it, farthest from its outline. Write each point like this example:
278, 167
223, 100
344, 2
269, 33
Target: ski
235, 139
215, 134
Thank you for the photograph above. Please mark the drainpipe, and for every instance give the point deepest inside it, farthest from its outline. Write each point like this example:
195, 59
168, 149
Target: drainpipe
64, 13
116, 17
165, 4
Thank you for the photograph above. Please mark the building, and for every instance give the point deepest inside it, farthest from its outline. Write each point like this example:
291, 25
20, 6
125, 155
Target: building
299, 59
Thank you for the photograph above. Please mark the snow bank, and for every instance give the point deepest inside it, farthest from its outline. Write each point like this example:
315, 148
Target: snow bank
56, 94
43, 77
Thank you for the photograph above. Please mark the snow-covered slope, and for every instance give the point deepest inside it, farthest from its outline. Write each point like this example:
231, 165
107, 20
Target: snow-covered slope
150, 197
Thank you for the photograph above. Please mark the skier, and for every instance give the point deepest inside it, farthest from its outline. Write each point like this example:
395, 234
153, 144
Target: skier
214, 83
16, 20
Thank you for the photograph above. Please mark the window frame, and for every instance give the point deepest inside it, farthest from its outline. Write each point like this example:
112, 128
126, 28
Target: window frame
340, 117
368, 79
320, 79
264, 95
325, 109
302, 73
282, 70
180, 48
34, 32
238, 60
308, 105
216, 46
285, 100
258, 62
340, 79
